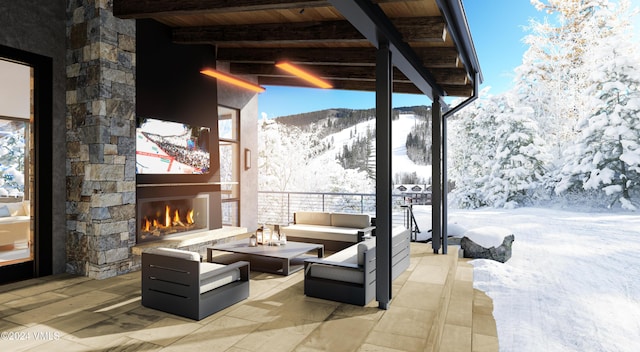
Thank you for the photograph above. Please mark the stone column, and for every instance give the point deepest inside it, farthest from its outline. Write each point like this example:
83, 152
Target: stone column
100, 123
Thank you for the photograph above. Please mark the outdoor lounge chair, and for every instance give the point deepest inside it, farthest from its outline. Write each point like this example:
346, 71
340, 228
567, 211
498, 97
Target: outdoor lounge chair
176, 282
349, 276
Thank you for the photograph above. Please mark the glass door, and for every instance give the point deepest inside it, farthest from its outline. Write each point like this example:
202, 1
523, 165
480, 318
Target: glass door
229, 137
16, 149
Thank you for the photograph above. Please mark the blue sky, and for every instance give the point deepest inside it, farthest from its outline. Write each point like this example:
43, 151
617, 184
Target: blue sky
497, 29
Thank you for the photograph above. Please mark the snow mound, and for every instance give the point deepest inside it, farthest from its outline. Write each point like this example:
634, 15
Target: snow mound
456, 230
488, 236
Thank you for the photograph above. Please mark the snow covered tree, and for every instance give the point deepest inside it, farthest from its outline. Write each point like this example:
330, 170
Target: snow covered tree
419, 143
283, 151
497, 157
12, 149
552, 77
519, 165
472, 143
607, 154
292, 160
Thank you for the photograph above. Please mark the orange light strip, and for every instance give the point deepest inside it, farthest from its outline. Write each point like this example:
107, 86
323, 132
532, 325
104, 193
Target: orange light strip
296, 71
233, 80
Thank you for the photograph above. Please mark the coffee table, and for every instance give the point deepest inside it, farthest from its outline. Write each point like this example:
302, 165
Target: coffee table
284, 259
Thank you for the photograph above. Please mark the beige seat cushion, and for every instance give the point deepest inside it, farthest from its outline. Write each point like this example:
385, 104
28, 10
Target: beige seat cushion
210, 280
14, 228
351, 255
176, 253
348, 255
343, 234
313, 218
15, 209
363, 247
357, 221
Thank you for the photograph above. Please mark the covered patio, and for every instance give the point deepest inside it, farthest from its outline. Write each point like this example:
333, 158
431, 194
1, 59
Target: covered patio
435, 309
385, 46
94, 60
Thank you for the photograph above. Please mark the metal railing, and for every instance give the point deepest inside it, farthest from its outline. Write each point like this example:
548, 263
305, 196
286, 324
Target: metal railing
278, 207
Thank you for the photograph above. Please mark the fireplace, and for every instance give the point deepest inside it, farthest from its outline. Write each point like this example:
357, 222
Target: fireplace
164, 217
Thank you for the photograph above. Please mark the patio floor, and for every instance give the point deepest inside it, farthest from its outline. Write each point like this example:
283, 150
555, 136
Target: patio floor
434, 308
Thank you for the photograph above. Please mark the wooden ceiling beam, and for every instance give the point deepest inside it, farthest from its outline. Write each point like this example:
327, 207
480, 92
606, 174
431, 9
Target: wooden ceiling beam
447, 76
159, 8
348, 63
451, 76
417, 30
367, 86
325, 71
421, 29
437, 57
270, 33
458, 91
318, 56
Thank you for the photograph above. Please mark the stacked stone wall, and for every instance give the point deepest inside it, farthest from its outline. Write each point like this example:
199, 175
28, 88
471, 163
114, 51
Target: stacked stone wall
100, 124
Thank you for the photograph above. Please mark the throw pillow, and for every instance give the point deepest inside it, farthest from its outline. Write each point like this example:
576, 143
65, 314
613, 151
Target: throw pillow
4, 212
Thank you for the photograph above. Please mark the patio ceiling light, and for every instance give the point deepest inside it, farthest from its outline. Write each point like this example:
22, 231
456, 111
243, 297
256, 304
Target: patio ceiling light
233, 80
296, 71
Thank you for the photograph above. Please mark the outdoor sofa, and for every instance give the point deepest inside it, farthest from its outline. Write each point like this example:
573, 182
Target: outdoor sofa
176, 282
349, 276
336, 231
15, 226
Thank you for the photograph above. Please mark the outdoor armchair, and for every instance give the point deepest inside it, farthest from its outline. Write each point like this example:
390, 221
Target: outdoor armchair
176, 282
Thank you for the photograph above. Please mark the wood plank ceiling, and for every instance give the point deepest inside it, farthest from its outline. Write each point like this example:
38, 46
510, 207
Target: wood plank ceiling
253, 35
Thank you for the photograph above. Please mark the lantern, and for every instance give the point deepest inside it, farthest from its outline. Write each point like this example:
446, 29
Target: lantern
260, 236
268, 240
276, 233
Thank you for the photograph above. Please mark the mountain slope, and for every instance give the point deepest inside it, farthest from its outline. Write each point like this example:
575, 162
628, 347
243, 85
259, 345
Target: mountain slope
400, 128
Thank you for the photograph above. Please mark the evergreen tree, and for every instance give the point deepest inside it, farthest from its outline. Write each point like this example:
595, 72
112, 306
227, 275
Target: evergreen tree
12, 159
371, 159
473, 145
607, 155
280, 155
419, 143
552, 76
292, 160
519, 165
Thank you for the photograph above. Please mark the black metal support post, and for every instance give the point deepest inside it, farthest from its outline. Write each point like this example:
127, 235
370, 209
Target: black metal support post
445, 187
436, 176
384, 73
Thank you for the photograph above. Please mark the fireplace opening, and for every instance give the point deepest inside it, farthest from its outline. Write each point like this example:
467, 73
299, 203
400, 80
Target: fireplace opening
160, 218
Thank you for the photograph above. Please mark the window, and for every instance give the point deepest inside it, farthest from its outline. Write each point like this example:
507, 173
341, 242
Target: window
229, 136
16, 116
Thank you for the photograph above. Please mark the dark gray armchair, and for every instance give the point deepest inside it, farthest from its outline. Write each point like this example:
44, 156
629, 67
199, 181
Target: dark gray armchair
349, 276
176, 282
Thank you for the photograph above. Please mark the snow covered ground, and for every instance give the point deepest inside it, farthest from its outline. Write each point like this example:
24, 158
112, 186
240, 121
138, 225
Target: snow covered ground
572, 284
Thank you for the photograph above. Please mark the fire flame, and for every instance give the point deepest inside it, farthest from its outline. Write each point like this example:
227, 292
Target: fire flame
167, 216
167, 221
